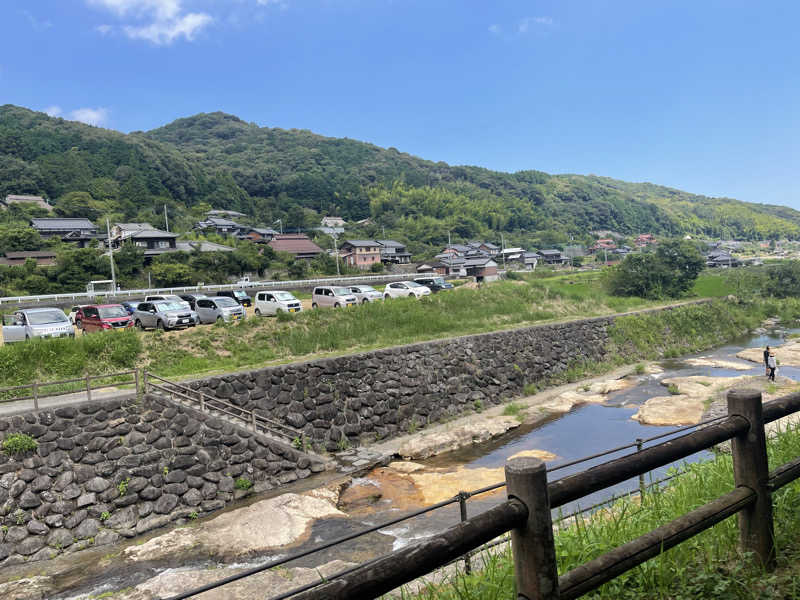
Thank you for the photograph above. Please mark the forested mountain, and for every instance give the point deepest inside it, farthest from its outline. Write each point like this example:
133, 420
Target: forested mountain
221, 161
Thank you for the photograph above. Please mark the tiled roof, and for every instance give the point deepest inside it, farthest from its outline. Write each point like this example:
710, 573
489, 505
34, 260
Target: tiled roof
59, 224
134, 226
390, 244
294, 244
150, 234
31, 254
362, 243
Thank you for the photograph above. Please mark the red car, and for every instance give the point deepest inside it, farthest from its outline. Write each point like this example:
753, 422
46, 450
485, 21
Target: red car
103, 317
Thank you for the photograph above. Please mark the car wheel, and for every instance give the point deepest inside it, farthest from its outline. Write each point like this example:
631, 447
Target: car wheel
258, 313
79, 324
220, 319
386, 296
364, 301
161, 325
337, 305
313, 305
138, 325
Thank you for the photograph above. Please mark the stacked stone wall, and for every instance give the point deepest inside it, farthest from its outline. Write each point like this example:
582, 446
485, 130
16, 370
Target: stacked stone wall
340, 401
117, 468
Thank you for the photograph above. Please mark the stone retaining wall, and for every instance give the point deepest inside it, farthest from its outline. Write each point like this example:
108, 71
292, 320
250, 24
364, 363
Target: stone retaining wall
112, 468
382, 393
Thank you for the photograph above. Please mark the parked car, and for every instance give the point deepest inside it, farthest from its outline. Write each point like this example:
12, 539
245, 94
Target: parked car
105, 317
168, 298
164, 315
211, 310
325, 296
75, 315
365, 293
130, 306
435, 284
240, 296
192, 299
269, 303
401, 289
29, 323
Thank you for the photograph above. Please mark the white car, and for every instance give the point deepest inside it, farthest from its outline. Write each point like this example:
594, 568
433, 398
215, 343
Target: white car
365, 293
401, 289
169, 298
74, 311
269, 303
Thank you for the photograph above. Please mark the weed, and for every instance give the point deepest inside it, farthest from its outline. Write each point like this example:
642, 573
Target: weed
673, 389
165, 471
19, 443
19, 516
640, 369
105, 515
477, 405
194, 515
243, 483
586, 387
122, 486
413, 426
530, 389
4, 528
514, 410
343, 443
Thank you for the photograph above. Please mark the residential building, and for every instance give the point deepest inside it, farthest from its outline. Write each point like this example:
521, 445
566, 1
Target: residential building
448, 264
333, 222
152, 240
84, 239
644, 239
43, 258
30, 200
220, 226
260, 235
298, 244
485, 247
360, 253
605, 244
202, 246
394, 252
720, 258
552, 257
51, 227
482, 268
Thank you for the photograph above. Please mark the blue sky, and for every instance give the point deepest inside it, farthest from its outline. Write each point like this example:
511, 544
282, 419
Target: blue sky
698, 95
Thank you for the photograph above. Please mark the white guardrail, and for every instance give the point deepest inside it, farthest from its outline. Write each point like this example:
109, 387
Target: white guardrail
254, 285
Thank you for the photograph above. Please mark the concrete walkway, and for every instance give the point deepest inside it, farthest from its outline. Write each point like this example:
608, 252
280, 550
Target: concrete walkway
13, 407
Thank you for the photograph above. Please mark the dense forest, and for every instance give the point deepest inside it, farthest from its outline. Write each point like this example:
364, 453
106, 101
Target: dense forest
217, 160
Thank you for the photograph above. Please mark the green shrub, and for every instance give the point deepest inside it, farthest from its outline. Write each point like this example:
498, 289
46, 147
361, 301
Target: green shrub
19, 443
673, 389
243, 483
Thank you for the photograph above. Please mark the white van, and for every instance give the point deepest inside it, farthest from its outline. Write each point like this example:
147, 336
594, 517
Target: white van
269, 303
332, 296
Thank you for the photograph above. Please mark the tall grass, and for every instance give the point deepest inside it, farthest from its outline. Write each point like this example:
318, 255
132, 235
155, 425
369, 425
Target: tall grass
708, 566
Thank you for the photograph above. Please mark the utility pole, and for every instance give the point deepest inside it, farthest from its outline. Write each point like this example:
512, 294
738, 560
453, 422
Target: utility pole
280, 223
111, 256
336, 252
149, 284
503, 249
383, 229
448, 239
166, 221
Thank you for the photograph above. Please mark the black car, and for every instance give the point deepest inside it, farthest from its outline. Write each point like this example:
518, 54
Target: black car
192, 299
434, 283
238, 295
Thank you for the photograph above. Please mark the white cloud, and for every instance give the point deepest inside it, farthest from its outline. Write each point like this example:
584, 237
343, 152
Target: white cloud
37, 24
495, 29
90, 116
53, 111
160, 22
526, 23
104, 29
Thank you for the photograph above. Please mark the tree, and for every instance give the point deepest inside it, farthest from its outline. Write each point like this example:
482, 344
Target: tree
19, 238
171, 274
377, 267
324, 263
76, 205
684, 263
129, 260
298, 269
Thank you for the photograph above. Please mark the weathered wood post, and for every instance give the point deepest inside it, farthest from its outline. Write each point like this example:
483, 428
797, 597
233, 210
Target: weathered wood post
535, 568
462, 506
750, 469
144, 382
36, 395
136, 383
88, 387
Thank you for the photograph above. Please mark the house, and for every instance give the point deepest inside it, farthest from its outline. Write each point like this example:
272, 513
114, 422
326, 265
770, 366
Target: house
83, 239
360, 253
530, 260
605, 244
220, 226
27, 200
484, 247
224, 213
298, 244
394, 252
49, 227
260, 235
644, 239
448, 264
512, 254
482, 268
43, 258
552, 257
333, 222
720, 258
201, 246
143, 235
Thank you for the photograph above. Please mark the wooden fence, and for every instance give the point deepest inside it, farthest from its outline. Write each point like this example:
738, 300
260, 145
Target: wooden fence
527, 514
38, 390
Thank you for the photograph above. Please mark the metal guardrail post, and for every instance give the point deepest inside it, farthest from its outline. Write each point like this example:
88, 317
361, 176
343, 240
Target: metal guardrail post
88, 387
462, 505
532, 544
639, 444
36, 395
750, 469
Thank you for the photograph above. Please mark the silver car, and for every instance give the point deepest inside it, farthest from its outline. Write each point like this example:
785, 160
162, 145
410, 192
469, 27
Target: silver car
219, 308
36, 322
164, 315
335, 296
365, 293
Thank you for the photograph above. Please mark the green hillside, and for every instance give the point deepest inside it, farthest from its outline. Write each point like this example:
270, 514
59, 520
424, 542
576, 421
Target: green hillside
220, 161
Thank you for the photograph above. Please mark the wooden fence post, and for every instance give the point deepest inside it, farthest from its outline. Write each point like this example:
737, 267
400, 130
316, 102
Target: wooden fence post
88, 387
144, 382
136, 382
535, 568
750, 469
35, 396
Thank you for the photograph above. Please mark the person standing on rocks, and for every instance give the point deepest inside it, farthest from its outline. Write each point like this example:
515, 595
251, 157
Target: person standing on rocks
771, 366
766, 361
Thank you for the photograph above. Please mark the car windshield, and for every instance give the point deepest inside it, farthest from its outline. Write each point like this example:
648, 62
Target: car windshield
341, 291
239, 294
224, 302
285, 296
44, 317
413, 284
169, 306
367, 288
112, 312
177, 299
438, 281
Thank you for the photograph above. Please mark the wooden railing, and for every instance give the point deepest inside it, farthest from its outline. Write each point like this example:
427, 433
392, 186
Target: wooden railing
527, 514
38, 390
205, 403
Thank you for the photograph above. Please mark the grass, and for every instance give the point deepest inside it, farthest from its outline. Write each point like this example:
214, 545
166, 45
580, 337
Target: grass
514, 410
708, 566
